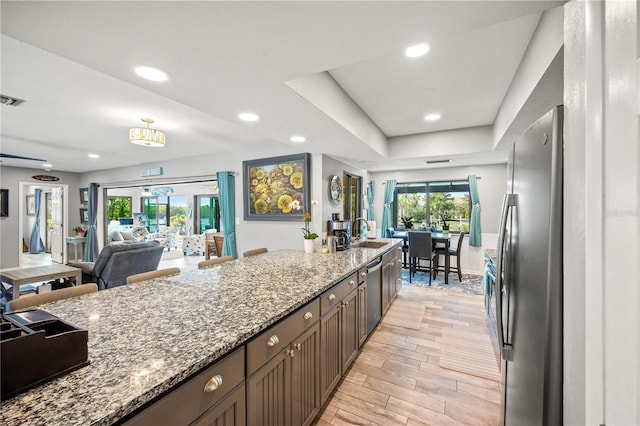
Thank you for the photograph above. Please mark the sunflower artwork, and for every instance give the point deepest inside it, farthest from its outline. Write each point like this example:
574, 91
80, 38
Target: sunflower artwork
277, 189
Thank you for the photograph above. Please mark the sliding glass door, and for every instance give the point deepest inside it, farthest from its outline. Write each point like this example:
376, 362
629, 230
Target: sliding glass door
207, 213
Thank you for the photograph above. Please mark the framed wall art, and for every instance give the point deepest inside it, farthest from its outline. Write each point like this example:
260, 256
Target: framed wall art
84, 195
84, 216
31, 205
4, 202
276, 188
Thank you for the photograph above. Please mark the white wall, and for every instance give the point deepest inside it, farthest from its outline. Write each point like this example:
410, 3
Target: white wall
602, 221
11, 226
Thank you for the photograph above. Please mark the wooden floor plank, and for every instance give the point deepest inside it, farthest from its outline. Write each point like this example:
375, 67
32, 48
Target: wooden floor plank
397, 378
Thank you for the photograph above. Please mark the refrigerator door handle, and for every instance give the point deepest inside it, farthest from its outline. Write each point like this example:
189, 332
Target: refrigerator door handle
509, 201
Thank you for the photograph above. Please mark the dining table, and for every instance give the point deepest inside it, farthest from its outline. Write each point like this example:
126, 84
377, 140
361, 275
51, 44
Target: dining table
436, 238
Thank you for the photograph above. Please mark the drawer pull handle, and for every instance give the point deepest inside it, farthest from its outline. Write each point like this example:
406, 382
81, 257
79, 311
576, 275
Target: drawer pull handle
308, 316
214, 383
352, 282
363, 274
332, 296
273, 340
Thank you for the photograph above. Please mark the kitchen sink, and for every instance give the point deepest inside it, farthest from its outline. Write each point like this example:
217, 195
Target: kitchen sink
370, 244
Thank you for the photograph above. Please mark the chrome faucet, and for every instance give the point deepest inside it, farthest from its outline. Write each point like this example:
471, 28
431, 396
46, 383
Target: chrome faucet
353, 224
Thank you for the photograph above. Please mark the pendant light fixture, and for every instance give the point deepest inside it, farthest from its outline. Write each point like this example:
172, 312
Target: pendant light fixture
146, 136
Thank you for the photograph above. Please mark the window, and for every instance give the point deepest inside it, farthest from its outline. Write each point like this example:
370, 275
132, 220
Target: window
433, 204
118, 207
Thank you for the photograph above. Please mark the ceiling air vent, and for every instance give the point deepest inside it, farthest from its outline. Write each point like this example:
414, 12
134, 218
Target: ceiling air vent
429, 162
8, 100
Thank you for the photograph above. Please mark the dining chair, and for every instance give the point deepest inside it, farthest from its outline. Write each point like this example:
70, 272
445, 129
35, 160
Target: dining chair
169, 272
450, 252
420, 248
206, 264
209, 243
51, 296
254, 252
218, 240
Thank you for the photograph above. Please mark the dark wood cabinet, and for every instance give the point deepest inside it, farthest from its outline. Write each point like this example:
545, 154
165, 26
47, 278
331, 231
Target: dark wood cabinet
339, 339
284, 389
391, 277
398, 271
350, 338
228, 412
206, 390
388, 271
362, 313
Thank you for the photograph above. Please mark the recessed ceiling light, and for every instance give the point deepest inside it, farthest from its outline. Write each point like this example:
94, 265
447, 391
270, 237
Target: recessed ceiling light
93, 156
432, 117
47, 165
248, 116
297, 138
152, 74
417, 50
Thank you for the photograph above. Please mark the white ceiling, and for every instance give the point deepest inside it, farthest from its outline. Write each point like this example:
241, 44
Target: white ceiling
72, 63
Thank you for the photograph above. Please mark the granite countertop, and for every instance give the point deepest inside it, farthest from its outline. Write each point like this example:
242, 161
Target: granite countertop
145, 338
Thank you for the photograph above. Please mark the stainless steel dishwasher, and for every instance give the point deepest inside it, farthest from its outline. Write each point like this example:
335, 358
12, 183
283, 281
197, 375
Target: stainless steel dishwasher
374, 294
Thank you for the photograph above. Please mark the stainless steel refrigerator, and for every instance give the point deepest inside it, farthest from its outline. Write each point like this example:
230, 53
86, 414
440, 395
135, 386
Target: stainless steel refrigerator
529, 281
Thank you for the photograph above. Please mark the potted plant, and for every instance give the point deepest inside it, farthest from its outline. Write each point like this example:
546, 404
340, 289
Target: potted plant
445, 226
308, 235
407, 221
79, 230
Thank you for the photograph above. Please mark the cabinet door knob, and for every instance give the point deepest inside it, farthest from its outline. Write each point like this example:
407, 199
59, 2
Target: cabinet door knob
332, 296
290, 353
352, 282
214, 383
363, 274
297, 346
308, 316
273, 340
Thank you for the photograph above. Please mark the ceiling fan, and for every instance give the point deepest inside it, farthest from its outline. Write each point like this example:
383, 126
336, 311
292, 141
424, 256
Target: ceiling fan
19, 157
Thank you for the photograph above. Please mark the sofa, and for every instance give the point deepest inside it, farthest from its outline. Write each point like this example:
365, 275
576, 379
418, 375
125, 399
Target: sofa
168, 237
117, 261
120, 237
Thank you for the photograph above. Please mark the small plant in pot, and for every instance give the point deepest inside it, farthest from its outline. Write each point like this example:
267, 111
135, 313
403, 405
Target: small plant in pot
407, 221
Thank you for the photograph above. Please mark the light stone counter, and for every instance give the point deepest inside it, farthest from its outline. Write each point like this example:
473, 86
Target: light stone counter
145, 338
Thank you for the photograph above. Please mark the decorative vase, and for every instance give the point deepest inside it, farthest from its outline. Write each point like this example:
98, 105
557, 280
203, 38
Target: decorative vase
308, 246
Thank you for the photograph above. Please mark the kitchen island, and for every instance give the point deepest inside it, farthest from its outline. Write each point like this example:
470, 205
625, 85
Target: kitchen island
147, 338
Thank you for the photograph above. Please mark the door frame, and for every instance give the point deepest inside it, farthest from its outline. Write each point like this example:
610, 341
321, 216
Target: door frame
22, 214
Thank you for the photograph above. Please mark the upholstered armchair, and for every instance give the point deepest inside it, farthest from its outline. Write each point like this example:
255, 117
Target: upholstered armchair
193, 244
168, 237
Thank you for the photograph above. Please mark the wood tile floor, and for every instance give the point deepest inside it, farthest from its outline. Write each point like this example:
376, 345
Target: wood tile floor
397, 380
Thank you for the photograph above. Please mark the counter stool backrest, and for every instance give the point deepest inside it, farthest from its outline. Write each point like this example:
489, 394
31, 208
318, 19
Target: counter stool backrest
213, 262
51, 296
169, 272
254, 252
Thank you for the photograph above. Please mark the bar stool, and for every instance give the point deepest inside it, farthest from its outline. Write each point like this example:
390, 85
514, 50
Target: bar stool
450, 252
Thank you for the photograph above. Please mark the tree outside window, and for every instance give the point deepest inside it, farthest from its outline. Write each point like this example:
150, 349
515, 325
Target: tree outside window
432, 204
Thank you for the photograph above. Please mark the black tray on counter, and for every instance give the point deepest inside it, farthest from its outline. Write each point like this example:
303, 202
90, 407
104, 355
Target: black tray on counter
35, 347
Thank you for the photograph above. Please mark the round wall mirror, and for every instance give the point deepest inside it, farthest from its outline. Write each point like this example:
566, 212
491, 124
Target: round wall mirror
335, 189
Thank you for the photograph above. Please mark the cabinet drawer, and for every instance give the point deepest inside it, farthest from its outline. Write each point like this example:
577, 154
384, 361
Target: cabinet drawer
187, 402
270, 342
335, 294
